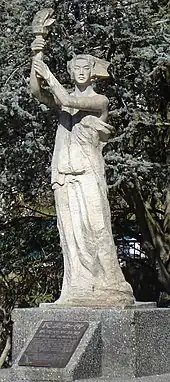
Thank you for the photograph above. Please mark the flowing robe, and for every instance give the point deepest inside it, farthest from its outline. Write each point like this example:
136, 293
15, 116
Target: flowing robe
91, 268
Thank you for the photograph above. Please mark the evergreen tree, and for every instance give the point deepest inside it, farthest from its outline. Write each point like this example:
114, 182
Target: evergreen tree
134, 36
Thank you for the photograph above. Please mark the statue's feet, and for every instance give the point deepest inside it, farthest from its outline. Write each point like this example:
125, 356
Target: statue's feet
118, 295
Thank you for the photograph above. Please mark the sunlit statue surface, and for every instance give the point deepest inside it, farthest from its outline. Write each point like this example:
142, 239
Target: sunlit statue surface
92, 276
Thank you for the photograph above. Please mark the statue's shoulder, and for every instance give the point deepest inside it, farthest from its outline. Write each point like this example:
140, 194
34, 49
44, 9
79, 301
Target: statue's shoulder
100, 96
102, 99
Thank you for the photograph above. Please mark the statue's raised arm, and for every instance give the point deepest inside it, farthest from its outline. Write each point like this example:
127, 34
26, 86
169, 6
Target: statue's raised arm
92, 276
41, 22
82, 75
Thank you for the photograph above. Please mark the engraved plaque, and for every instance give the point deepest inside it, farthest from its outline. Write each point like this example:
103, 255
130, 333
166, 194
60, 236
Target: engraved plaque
53, 344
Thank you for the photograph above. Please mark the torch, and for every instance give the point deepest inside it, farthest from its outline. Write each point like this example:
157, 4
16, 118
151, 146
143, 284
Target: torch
40, 27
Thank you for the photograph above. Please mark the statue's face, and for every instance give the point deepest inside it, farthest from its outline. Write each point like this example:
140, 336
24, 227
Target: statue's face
82, 71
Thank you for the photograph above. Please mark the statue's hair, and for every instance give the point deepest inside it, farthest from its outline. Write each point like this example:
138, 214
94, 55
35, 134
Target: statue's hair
71, 64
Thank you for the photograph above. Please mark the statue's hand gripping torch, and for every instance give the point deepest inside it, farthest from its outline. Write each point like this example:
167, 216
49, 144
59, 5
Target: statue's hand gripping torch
40, 27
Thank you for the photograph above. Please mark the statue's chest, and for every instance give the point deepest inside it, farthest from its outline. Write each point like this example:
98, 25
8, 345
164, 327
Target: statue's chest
70, 117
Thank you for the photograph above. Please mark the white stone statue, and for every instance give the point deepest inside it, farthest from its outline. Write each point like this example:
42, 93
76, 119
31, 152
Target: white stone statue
92, 275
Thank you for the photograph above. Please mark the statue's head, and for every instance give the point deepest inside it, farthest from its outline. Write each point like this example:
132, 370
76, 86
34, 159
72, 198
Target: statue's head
81, 69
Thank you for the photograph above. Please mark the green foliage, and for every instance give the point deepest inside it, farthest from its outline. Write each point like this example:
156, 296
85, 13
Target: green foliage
137, 157
30, 263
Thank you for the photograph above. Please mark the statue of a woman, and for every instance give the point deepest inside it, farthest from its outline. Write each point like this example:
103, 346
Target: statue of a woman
92, 276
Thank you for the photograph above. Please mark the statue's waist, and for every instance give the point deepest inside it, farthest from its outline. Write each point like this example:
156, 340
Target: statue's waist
63, 179
71, 161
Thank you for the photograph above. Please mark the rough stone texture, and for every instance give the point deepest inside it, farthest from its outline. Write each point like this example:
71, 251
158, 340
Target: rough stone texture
117, 333
86, 362
158, 378
142, 305
135, 305
12, 376
153, 342
135, 342
118, 344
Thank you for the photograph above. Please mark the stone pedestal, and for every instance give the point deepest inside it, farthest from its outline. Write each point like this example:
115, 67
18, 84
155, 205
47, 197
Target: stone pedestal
120, 343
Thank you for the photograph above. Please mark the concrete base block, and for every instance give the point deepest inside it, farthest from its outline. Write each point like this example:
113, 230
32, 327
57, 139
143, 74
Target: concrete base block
127, 343
12, 375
